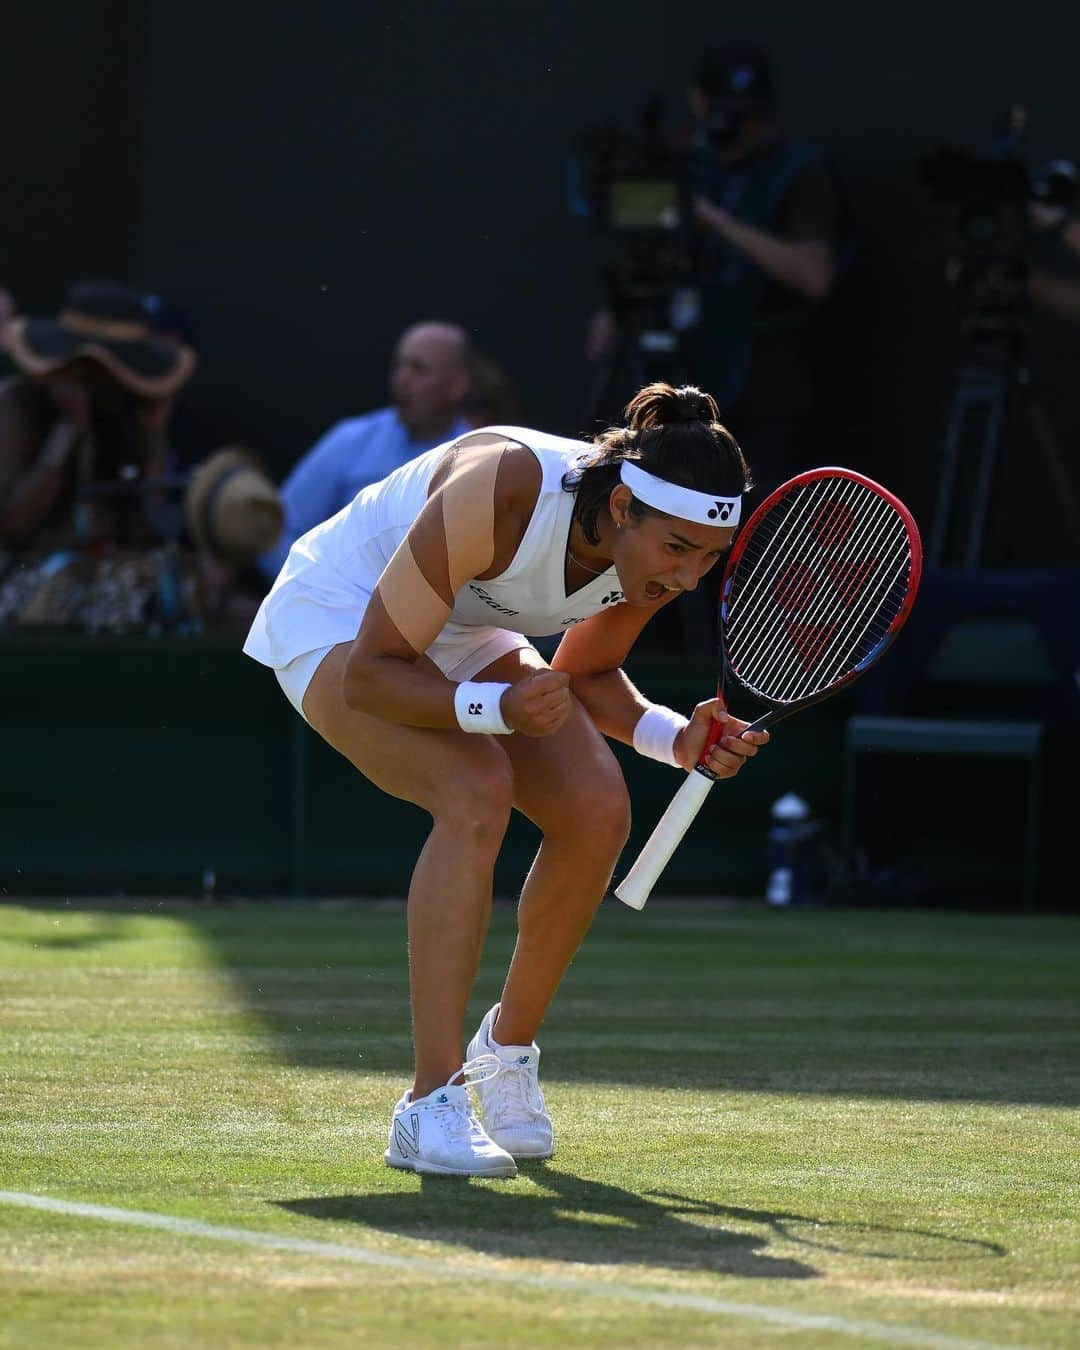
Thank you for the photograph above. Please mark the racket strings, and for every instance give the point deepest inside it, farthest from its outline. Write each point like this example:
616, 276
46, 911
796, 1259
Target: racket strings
784, 553
786, 535
791, 654
817, 588
836, 634
813, 640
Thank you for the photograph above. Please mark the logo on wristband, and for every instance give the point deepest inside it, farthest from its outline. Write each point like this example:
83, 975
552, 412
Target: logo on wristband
476, 709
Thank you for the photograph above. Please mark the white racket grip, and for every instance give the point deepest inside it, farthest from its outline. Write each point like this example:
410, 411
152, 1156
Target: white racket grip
636, 887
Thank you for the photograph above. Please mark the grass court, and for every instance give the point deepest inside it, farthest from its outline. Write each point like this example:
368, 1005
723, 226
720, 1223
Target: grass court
817, 1128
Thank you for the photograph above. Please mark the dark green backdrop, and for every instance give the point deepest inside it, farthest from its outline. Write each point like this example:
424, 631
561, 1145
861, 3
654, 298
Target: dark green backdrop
137, 765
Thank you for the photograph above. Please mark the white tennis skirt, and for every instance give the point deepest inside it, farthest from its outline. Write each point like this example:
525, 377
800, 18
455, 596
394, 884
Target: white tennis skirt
300, 616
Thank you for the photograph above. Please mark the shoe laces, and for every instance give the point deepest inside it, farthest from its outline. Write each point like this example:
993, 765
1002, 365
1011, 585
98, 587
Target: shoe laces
517, 1098
479, 1070
456, 1115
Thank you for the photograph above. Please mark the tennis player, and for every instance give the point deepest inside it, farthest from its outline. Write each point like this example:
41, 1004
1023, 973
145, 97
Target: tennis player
399, 630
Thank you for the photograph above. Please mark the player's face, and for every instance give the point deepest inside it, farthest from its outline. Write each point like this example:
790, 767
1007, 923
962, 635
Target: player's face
663, 554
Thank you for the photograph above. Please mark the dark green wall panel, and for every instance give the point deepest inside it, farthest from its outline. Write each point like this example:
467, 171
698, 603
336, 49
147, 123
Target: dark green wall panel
137, 764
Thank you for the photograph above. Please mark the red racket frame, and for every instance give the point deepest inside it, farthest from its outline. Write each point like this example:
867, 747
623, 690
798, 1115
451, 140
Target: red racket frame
778, 711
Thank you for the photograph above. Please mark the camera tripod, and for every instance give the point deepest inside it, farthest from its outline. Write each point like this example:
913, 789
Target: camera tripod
993, 385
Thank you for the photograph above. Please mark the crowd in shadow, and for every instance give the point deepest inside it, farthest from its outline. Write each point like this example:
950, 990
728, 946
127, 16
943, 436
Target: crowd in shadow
113, 518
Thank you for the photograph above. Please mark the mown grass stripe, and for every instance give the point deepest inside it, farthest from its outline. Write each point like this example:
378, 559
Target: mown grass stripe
426, 1267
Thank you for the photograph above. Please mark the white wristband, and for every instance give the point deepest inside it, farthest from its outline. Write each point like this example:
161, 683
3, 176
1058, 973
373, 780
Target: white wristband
477, 707
655, 733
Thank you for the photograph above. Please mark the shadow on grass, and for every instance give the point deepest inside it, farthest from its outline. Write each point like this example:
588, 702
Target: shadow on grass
108, 927
571, 1220
899, 1005
577, 1220
896, 1005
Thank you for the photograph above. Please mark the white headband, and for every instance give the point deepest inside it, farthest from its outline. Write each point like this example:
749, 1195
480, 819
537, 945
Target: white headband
684, 502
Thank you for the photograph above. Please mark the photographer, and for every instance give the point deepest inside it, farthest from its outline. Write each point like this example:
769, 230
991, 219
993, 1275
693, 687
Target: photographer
764, 219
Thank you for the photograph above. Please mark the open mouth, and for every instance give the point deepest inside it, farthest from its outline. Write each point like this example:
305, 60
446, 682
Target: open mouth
655, 589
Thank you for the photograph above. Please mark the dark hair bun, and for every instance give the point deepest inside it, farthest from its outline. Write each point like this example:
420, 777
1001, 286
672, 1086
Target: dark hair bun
661, 404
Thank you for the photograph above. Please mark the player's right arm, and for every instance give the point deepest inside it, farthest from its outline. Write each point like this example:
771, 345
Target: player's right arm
470, 525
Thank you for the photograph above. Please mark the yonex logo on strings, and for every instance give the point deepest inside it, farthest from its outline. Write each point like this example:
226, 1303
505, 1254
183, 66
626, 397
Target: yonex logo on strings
721, 509
476, 709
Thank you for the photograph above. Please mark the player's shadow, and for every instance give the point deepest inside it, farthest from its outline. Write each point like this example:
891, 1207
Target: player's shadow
574, 1219
571, 1219
877, 1241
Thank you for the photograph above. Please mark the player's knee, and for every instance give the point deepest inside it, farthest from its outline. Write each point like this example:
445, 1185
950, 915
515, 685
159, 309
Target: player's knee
615, 818
477, 800
595, 812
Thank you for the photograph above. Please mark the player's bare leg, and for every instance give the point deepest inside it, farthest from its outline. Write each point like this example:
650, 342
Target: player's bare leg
465, 783
570, 785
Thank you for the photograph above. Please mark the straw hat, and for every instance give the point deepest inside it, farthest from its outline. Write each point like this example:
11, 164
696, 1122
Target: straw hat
232, 509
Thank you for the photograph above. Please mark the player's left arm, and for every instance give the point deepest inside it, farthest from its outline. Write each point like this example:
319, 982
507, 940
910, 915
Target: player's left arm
592, 654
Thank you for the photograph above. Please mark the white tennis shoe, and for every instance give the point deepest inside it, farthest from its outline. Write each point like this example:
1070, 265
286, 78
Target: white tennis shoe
511, 1103
439, 1133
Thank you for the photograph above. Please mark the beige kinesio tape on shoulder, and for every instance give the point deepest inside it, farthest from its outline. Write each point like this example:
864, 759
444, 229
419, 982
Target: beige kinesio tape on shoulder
414, 606
467, 499
468, 511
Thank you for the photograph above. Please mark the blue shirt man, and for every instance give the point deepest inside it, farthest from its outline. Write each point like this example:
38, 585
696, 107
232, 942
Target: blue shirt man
429, 381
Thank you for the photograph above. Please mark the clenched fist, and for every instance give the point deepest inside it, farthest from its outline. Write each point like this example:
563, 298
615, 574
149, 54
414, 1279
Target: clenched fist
539, 704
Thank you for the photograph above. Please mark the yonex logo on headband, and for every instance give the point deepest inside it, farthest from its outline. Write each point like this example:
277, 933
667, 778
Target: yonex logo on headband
675, 500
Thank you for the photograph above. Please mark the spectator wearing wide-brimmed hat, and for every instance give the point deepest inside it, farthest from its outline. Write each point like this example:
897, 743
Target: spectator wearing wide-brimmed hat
233, 514
87, 409
83, 483
107, 323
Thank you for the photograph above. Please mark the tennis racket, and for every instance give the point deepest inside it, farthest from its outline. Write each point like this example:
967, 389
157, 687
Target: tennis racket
817, 586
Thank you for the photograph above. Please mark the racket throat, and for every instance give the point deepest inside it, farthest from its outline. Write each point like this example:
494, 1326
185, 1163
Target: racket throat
717, 731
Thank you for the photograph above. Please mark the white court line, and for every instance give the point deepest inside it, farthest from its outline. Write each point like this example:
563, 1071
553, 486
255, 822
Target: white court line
423, 1267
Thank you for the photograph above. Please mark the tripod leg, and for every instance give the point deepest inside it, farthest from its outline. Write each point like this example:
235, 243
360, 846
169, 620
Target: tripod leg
600, 387
974, 389
1062, 486
994, 396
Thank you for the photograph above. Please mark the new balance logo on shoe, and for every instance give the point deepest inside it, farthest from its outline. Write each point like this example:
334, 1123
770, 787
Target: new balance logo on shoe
524, 1059
408, 1141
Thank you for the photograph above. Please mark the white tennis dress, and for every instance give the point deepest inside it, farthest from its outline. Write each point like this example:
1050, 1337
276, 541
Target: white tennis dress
320, 595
